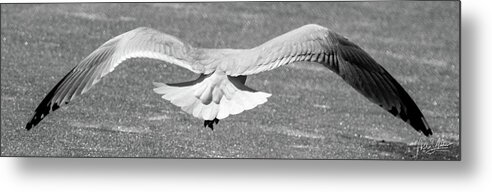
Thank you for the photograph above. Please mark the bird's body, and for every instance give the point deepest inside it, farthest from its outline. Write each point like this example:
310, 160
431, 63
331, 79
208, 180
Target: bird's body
220, 90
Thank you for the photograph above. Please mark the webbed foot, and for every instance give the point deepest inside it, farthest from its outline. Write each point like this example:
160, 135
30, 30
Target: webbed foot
210, 123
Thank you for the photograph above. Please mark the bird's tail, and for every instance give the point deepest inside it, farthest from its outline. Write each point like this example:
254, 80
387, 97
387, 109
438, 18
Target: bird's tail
212, 96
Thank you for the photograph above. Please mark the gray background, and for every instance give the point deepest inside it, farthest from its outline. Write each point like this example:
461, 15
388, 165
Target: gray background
417, 42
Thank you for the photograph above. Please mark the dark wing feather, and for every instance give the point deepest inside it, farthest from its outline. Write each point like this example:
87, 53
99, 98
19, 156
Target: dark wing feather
363, 73
140, 42
315, 43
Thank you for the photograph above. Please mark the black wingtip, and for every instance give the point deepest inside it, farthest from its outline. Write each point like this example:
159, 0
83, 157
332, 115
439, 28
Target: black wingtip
409, 112
36, 118
420, 124
29, 126
33, 122
41, 112
427, 133
47, 105
424, 127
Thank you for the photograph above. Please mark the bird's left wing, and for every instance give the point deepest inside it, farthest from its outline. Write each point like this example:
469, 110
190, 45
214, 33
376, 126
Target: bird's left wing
140, 42
314, 43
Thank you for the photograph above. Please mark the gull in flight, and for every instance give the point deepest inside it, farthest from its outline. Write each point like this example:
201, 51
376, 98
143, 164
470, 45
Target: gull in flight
220, 89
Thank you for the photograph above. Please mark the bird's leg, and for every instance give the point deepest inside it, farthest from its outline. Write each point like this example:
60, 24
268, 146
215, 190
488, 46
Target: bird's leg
210, 123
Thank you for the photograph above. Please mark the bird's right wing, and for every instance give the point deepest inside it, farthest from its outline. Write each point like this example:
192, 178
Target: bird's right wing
140, 42
314, 43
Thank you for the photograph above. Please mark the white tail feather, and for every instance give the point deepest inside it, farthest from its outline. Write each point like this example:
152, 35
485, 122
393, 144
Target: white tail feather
196, 97
223, 108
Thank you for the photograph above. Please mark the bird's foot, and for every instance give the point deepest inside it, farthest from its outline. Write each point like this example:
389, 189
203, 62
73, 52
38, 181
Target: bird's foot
210, 123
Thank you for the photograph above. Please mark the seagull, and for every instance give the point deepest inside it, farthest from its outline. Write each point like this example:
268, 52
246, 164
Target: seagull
220, 89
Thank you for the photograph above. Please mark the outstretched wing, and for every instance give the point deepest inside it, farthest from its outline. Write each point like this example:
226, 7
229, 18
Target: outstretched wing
140, 42
315, 43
